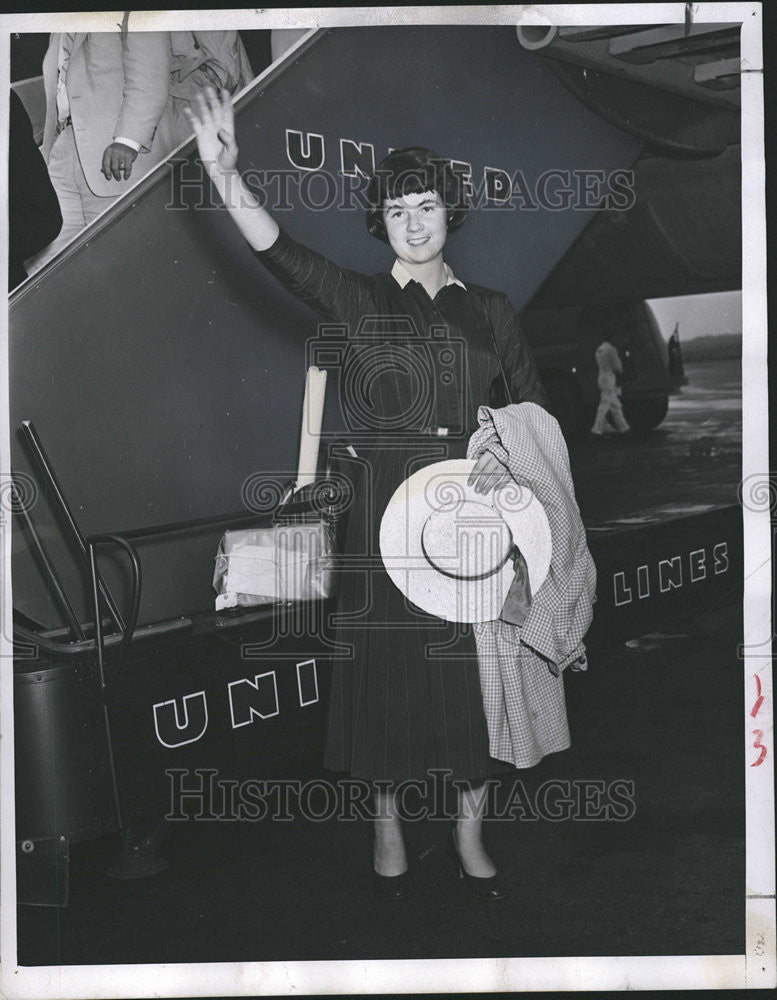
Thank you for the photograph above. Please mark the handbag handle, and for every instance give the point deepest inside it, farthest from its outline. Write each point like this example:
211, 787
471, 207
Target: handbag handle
292, 503
508, 394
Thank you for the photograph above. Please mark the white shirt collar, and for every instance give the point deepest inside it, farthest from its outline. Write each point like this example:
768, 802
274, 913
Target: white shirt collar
400, 274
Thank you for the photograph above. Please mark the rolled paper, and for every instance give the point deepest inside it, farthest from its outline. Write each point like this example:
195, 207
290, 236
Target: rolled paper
312, 417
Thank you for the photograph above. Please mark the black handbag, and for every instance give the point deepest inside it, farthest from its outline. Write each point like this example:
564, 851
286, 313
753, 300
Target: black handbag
292, 559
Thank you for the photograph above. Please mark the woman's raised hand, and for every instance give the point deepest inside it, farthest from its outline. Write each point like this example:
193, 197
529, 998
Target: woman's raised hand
213, 121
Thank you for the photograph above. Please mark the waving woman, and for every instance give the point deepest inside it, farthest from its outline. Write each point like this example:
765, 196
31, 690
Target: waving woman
399, 709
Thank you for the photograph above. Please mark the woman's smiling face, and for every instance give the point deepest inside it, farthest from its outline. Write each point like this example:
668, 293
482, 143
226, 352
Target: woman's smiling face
416, 226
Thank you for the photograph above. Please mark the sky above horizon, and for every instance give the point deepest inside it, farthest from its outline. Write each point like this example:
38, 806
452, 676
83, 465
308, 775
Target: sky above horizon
699, 315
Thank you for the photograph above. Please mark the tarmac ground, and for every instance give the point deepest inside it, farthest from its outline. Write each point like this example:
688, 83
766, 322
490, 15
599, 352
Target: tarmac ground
661, 716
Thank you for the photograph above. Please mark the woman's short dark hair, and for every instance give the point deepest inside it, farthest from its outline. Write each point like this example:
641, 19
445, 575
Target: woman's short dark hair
413, 171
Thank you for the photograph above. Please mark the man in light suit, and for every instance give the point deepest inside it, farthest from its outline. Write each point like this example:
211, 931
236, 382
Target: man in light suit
114, 110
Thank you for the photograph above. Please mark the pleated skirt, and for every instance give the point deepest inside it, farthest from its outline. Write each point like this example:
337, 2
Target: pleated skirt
406, 694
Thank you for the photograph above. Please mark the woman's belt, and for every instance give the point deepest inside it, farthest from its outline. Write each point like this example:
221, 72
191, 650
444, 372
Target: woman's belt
410, 433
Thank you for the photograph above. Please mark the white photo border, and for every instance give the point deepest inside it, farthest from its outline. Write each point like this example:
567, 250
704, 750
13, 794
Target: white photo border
756, 967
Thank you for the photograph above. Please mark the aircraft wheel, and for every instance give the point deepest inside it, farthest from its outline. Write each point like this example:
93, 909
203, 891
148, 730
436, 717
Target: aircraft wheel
646, 414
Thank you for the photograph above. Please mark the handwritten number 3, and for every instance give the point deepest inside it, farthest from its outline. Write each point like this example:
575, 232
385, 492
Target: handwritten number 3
758, 733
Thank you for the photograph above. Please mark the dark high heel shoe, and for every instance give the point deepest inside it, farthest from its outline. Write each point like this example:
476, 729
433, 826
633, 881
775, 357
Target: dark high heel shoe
392, 886
484, 887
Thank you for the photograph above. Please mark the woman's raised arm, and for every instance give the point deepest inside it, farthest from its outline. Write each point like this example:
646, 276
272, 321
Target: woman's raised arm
213, 121
334, 292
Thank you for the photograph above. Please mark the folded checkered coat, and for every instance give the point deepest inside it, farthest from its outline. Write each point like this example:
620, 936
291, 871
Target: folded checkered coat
521, 666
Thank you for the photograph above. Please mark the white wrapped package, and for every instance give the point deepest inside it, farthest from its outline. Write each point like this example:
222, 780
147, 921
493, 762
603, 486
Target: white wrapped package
285, 562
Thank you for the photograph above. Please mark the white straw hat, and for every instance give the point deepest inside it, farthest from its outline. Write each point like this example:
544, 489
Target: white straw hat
448, 548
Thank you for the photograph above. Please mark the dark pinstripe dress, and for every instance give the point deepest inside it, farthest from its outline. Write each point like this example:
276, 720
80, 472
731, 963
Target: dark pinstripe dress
406, 694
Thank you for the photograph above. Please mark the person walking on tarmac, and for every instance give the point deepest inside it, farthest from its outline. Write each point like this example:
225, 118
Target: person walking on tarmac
610, 368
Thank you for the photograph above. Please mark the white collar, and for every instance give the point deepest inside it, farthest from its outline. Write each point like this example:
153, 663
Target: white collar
401, 275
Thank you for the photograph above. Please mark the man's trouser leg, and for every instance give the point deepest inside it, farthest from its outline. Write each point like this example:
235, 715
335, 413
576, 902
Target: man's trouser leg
76, 201
616, 409
601, 414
